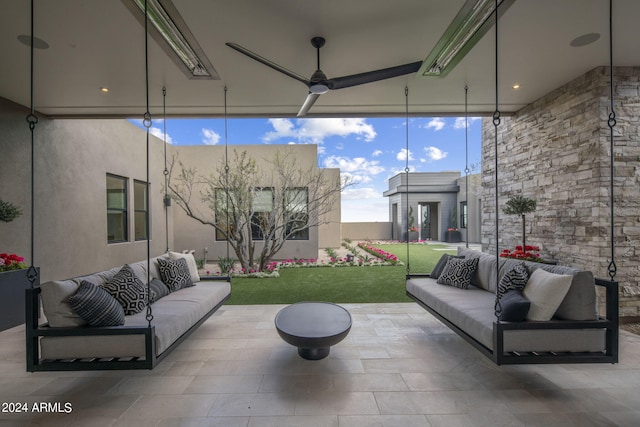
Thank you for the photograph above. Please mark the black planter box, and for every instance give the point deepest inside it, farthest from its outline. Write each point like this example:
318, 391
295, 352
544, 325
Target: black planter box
452, 236
12, 296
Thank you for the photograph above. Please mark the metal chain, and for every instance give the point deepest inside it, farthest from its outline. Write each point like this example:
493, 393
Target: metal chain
32, 120
167, 199
496, 123
466, 161
147, 123
406, 168
612, 268
226, 174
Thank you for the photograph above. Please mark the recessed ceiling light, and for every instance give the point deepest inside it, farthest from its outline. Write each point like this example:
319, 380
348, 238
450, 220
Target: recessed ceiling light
104, 89
585, 39
516, 86
37, 43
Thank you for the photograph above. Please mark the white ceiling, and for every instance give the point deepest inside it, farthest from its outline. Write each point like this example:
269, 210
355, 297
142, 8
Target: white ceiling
100, 43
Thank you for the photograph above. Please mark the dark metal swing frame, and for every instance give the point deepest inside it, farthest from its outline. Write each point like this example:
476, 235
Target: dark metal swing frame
609, 322
34, 331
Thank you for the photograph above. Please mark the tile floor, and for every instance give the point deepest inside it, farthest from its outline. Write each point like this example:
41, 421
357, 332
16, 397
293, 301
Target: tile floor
398, 367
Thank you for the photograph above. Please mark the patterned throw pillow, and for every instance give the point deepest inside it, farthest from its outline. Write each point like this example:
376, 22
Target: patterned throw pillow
175, 273
191, 264
515, 279
458, 272
128, 290
158, 289
95, 306
437, 270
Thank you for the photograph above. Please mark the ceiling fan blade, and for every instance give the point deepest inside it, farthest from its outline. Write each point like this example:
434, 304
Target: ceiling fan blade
268, 63
373, 76
308, 103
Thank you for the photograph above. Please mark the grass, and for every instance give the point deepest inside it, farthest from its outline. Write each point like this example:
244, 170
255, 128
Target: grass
339, 285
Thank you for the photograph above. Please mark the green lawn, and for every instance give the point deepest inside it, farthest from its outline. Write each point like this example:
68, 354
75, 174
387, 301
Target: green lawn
340, 284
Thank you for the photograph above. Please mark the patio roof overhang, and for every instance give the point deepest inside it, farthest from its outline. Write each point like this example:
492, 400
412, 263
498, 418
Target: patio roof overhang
101, 45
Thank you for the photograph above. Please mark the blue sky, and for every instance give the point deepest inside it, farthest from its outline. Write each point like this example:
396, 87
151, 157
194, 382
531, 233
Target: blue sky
368, 150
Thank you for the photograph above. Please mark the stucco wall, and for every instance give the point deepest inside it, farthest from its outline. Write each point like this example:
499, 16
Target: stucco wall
556, 151
72, 158
190, 234
366, 231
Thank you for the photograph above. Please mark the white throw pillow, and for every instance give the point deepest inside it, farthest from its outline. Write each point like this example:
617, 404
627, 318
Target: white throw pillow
545, 291
191, 263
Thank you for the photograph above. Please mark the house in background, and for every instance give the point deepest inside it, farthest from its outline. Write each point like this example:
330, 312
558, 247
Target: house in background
437, 201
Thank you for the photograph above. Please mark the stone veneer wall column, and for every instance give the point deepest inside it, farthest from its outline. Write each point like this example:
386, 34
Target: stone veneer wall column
556, 151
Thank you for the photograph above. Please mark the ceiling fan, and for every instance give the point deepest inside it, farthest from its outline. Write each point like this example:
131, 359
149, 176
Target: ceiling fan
319, 83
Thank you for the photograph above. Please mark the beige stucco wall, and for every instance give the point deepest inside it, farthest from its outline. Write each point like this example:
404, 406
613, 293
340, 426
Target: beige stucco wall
330, 232
190, 234
366, 230
72, 158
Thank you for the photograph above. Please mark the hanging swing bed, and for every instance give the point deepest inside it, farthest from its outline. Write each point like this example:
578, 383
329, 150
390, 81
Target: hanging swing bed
144, 339
495, 305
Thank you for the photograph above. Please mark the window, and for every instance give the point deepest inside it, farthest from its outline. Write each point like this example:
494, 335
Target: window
463, 215
140, 210
297, 216
262, 208
223, 221
116, 209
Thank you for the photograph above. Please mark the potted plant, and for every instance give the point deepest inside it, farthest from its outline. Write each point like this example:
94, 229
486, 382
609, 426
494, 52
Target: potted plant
520, 205
13, 277
452, 235
412, 233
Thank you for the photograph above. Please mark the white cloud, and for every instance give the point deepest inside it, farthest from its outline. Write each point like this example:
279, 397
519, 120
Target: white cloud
437, 123
210, 137
357, 170
434, 153
356, 164
159, 133
459, 123
355, 179
376, 153
402, 155
314, 131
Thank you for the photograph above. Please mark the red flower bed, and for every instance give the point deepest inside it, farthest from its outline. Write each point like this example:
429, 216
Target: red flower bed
529, 253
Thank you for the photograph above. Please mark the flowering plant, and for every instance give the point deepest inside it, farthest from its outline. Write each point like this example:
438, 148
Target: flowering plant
452, 229
384, 255
529, 253
10, 262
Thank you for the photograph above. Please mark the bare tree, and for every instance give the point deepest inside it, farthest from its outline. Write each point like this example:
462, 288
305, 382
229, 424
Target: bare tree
247, 204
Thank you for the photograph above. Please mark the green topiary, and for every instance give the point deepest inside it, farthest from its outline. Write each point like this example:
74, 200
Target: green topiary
8, 211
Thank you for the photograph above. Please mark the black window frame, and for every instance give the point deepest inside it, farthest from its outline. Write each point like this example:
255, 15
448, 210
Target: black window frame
464, 214
123, 211
304, 233
256, 228
147, 225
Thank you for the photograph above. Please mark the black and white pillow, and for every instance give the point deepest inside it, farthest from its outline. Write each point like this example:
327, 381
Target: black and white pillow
128, 290
175, 273
437, 270
458, 272
96, 306
158, 289
514, 279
